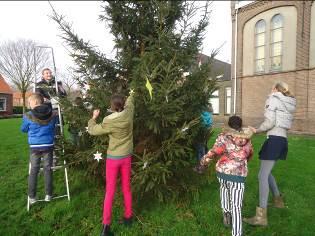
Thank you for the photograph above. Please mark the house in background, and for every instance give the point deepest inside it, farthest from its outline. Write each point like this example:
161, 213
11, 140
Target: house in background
6, 98
18, 100
275, 40
222, 99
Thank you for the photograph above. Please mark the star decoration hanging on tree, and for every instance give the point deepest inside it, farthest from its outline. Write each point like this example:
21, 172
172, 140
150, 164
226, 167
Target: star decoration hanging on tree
98, 156
80, 133
145, 165
184, 129
149, 87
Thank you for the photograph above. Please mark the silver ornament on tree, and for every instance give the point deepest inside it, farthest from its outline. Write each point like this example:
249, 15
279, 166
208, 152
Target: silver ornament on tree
98, 156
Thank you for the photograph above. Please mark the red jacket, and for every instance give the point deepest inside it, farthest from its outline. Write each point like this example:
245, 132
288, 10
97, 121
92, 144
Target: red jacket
235, 149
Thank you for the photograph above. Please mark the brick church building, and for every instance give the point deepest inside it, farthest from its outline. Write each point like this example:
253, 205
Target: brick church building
275, 40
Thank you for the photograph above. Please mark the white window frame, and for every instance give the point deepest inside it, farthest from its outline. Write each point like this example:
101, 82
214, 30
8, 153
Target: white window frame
226, 100
272, 42
256, 47
214, 98
5, 104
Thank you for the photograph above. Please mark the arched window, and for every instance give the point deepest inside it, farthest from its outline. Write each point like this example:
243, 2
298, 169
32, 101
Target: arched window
260, 34
276, 42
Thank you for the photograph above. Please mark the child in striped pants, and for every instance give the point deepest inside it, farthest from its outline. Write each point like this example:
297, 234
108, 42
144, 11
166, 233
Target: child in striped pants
234, 147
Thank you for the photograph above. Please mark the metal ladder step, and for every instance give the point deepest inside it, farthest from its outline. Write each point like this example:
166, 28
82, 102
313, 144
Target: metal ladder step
43, 200
53, 168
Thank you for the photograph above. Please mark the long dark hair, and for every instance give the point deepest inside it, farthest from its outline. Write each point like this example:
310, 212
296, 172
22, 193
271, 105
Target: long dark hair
117, 102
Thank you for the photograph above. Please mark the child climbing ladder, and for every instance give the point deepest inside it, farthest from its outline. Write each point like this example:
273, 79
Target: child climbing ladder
44, 126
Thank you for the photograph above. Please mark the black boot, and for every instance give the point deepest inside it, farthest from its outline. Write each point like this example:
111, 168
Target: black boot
106, 231
126, 221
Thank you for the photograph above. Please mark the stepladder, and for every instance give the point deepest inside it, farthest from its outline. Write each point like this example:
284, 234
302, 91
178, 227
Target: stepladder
51, 88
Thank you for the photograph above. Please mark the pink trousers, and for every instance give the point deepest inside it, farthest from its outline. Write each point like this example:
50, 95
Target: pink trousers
113, 167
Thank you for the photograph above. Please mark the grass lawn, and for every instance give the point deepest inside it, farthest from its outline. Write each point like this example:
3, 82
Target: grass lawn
202, 216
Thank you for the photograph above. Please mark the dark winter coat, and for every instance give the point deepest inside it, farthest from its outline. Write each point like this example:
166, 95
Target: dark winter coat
47, 88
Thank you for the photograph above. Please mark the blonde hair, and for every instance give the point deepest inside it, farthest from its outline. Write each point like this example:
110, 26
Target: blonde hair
283, 88
38, 98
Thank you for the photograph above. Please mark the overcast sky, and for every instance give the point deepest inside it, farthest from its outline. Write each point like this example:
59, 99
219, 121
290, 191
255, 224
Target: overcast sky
29, 20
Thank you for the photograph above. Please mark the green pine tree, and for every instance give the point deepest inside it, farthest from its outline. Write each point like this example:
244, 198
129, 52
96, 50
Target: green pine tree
156, 43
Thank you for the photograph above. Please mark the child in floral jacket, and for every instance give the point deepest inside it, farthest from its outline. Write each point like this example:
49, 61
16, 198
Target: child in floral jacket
235, 149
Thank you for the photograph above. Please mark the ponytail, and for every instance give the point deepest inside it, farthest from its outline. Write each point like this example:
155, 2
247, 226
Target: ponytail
283, 88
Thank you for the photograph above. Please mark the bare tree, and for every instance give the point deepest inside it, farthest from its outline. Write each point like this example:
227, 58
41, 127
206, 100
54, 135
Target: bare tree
68, 79
17, 63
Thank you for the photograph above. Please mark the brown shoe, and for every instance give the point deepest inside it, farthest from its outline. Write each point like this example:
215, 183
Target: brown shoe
278, 202
260, 219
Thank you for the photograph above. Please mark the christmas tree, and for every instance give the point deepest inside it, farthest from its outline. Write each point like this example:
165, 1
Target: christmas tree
157, 45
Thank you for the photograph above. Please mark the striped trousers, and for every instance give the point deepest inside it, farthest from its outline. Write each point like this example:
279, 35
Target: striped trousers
231, 194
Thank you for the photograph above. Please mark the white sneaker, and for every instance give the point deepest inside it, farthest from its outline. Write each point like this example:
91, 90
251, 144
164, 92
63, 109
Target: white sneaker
48, 198
32, 200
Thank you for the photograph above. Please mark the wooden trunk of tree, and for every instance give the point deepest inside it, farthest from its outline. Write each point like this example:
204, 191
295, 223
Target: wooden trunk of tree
24, 101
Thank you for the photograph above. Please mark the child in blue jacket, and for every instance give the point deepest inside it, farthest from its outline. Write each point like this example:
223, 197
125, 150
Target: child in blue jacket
39, 124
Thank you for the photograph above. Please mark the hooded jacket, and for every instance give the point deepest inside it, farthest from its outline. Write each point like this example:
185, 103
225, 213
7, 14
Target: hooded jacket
235, 150
119, 127
40, 123
278, 114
